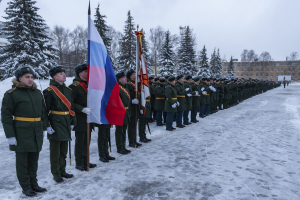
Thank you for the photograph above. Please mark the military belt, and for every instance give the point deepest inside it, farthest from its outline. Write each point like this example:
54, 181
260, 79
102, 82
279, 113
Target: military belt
26, 119
180, 95
59, 112
174, 98
147, 100
160, 98
126, 108
206, 94
196, 95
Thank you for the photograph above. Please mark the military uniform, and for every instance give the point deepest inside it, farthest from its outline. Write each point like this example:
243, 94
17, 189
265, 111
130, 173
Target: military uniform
189, 102
103, 142
195, 100
180, 89
152, 100
60, 120
26, 105
159, 102
171, 99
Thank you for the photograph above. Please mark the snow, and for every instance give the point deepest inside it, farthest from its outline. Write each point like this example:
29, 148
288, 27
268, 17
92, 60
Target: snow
249, 151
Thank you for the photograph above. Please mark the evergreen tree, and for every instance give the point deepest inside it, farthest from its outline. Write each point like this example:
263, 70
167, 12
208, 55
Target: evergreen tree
28, 40
204, 71
213, 64
166, 64
187, 55
146, 53
103, 29
218, 73
127, 57
230, 70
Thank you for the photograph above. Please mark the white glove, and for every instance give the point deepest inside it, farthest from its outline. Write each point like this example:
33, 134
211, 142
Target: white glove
72, 126
50, 130
204, 92
189, 95
44, 133
202, 89
12, 141
187, 89
174, 105
86, 110
135, 101
197, 93
178, 103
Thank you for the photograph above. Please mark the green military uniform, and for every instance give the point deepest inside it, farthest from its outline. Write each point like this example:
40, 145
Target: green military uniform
120, 133
80, 102
103, 140
159, 104
61, 121
28, 103
152, 99
143, 119
171, 99
180, 89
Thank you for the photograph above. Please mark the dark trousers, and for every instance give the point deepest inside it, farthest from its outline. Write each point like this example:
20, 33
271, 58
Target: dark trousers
207, 109
80, 150
186, 116
58, 155
142, 127
120, 136
159, 117
165, 116
26, 168
131, 130
154, 114
194, 114
169, 121
103, 140
202, 110
179, 118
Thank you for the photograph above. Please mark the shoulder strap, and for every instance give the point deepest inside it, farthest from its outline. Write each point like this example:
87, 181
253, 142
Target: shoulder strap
12, 90
83, 85
64, 99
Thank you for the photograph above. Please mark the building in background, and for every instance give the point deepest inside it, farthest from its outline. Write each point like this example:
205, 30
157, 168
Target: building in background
265, 70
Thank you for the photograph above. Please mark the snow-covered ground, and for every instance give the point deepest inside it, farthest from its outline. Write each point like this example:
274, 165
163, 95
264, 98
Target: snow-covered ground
250, 151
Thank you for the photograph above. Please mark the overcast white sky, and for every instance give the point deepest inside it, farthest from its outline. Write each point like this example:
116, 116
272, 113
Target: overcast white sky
231, 25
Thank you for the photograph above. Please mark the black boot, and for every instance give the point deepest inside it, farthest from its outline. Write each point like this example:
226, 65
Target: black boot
66, 175
104, 159
29, 192
58, 179
81, 167
128, 151
148, 139
110, 158
133, 145
91, 165
138, 144
38, 189
123, 152
144, 140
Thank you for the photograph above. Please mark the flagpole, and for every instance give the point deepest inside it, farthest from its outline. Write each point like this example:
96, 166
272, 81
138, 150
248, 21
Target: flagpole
136, 83
88, 124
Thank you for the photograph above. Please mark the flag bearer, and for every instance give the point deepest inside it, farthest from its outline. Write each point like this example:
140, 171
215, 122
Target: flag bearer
24, 118
59, 102
79, 88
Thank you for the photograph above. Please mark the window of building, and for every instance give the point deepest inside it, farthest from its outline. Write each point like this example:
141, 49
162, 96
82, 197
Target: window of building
289, 64
237, 70
281, 74
267, 70
238, 64
293, 69
272, 64
241, 74
242, 70
247, 70
282, 63
267, 74
242, 64
282, 69
294, 64
277, 64
277, 74
271, 69
257, 69
252, 64
261, 69
256, 64
256, 74
289, 69
292, 74
278, 69
247, 74
299, 64
251, 70
237, 75
260, 74
261, 64
271, 75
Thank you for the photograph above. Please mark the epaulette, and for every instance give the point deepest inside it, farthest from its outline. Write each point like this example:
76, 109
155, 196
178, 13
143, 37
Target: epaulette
69, 88
10, 91
75, 84
49, 89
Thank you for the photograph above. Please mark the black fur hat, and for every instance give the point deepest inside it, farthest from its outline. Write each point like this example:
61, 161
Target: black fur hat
151, 78
80, 68
179, 76
171, 78
129, 73
188, 77
120, 75
196, 78
23, 69
156, 79
56, 70
162, 79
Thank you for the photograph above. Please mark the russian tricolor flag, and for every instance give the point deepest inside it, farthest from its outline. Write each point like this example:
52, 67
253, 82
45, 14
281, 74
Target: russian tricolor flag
103, 90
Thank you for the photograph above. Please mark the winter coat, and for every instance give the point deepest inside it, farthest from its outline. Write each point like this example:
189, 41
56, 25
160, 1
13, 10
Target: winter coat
23, 101
152, 93
130, 86
171, 98
189, 100
196, 98
159, 104
180, 89
125, 97
61, 124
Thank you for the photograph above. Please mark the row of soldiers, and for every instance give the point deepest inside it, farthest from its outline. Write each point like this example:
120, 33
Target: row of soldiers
27, 115
174, 98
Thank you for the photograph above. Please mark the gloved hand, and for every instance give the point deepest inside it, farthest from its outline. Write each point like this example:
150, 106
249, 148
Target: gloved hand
72, 126
86, 110
178, 103
12, 141
174, 105
50, 130
197, 93
202, 89
204, 92
189, 95
187, 89
135, 101
44, 133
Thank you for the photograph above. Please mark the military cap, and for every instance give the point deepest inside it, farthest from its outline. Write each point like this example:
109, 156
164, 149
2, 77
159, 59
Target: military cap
156, 79
56, 70
120, 75
188, 77
204, 79
162, 79
167, 77
80, 68
171, 78
151, 78
208, 79
179, 76
196, 78
23, 69
129, 73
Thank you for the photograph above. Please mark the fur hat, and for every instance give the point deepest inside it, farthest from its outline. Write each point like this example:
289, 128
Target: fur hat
162, 79
179, 76
80, 68
188, 77
171, 78
120, 75
23, 69
129, 73
56, 70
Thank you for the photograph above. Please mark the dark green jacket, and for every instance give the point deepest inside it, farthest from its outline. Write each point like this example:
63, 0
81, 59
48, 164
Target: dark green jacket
152, 93
180, 89
196, 98
80, 102
125, 97
130, 86
189, 100
22, 101
160, 97
171, 98
61, 124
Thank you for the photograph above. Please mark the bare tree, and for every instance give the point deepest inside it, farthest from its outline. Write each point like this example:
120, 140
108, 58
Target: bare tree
60, 40
251, 56
244, 55
78, 38
265, 57
293, 56
156, 39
